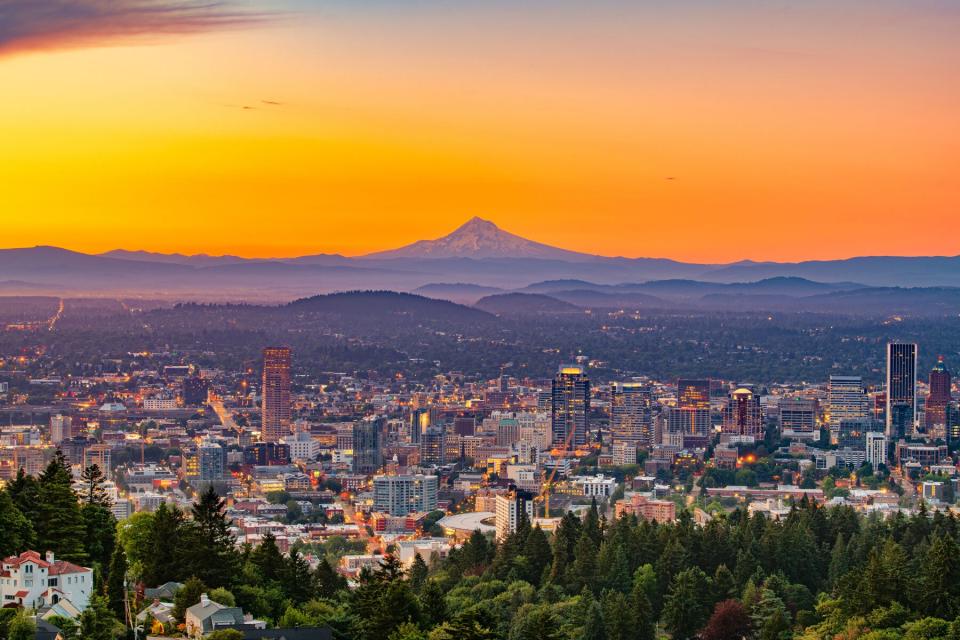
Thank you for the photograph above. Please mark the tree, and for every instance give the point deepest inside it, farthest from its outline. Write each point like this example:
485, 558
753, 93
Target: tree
620, 621
268, 559
165, 546
433, 604
211, 553
93, 482
97, 621
583, 570
116, 583
16, 532
101, 532
59, 524
407, 631
187, 596
24, 490
684, 612
729, 621
940, 578
299, 582
536, 549
22, 628
594, 628
417, 573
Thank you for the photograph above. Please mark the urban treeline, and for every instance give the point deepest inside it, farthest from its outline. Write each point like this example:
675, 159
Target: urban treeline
817, 573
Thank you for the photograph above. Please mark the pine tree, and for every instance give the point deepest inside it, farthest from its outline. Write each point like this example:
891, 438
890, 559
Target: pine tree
417, 573
433, 604
268, 559
583, 571
536, 549
619, 617
298, 580
116, 583
165, 547
187, 596
93, 486
684, 612
940, 579
210, 548
101, 532
59, 525
594, 628
16, 532
24, 490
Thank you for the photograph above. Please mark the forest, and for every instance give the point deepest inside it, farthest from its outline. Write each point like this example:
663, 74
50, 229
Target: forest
818, 573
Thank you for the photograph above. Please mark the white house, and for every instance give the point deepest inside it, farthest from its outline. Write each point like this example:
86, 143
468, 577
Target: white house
35, 582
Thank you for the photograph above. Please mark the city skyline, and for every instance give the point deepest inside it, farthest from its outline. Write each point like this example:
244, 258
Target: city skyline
699, 133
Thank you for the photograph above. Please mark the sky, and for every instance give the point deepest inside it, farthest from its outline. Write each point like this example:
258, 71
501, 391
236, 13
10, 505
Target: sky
700, 130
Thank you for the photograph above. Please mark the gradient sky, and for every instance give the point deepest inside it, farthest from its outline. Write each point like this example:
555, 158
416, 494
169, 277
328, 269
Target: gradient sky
697, 130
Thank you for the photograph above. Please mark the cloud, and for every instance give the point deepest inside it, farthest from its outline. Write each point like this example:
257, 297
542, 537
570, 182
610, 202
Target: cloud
55, 24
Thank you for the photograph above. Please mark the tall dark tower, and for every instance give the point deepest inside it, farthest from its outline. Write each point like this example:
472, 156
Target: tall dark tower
570, 406
939, 398
901, 389
276, 394
693, 411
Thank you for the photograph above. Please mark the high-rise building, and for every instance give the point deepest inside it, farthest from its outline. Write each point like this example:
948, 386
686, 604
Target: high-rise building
61, 428
798, 418
510, 508
877, 444
406, 494
366, 446
276, 394
846, 400
743, 416
901, 389
433, 444
692, 417
935, 412
631, 414
570, 406
100, 455
211, 461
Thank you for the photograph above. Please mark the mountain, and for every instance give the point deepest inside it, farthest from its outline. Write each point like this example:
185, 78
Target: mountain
388, 306
481, 239
877, 271
525, 304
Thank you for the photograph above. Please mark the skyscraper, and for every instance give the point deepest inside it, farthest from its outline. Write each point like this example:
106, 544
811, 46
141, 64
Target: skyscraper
276, 393
846, 400
61, 428
936, 407
743, 417
901, 389
693, 412
402, 495
366, 446
510, 508
570, 406
631, 418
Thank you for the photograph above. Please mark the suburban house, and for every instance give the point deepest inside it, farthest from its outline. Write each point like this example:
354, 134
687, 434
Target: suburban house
33, 581
207, 616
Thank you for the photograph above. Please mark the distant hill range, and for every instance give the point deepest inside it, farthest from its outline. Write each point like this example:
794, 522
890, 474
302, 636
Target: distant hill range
478, 260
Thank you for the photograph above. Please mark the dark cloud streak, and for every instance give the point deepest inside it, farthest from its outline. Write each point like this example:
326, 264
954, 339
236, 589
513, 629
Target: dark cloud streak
56, 24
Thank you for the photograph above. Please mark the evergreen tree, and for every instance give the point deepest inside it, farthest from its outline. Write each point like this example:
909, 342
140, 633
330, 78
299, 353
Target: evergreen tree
165, 547
22, 627
16, 532
59, 523
594, 629
210, 546
536, 549
684, 612
583, 571
97, 621
328, 581
24, 490
620, 620
101, 532
116, 583
187, 596
298, 580
417, 573
93, 486
268, 559
433, 604
940, 579
565, 538
646, 622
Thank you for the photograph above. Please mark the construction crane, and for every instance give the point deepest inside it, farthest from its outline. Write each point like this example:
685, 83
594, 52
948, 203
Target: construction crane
548, 482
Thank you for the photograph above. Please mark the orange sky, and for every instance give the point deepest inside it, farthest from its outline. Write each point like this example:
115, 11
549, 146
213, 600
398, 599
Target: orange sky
699, 132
